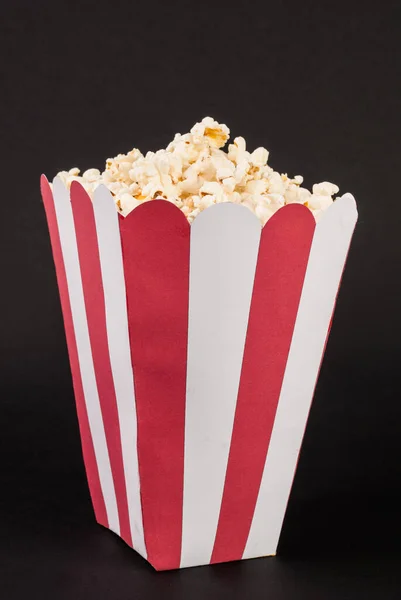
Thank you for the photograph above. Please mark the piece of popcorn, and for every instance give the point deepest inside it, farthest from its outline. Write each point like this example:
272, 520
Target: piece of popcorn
292, 194
190, 186
256, 186
126, 203
237, 150
67, 177
203, 202
276, 184
325, 189
186, 210
213, 188
118, 168
319, 202
153, 189
193, 214
264, 212
223, 166
241, 172
209, 129
275, 200
229, 184
303, 195
259, 157
91, 175
234, 197
185, 150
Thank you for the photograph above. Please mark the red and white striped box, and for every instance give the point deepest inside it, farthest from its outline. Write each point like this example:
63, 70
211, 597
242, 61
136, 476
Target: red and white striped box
194, 352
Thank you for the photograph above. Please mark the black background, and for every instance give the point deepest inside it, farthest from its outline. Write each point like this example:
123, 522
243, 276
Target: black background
316, 83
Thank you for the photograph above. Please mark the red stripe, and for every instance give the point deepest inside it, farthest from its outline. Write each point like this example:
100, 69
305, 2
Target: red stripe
155, 242
89, 260
86, 438
283, 256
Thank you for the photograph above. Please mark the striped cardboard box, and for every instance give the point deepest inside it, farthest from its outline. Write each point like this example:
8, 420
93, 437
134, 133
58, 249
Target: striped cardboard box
194, 353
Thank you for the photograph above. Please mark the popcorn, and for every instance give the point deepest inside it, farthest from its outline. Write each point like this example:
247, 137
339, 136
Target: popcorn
193, 172
263, 212
91, 175
229, 184
325, 189
215, 134
259, 157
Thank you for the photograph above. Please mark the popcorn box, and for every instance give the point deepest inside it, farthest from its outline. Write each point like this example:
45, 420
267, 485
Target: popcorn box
194, 353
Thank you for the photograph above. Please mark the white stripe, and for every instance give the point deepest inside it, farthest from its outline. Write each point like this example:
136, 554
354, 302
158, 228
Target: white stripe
223, 254
326, 262
108, 234
65, 222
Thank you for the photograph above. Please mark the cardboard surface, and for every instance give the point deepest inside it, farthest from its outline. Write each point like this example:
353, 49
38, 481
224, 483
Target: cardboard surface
276, 294
111, 262
155, 242
84, 427
194, 352
68, 242
224, 249
326, 262
92, 283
